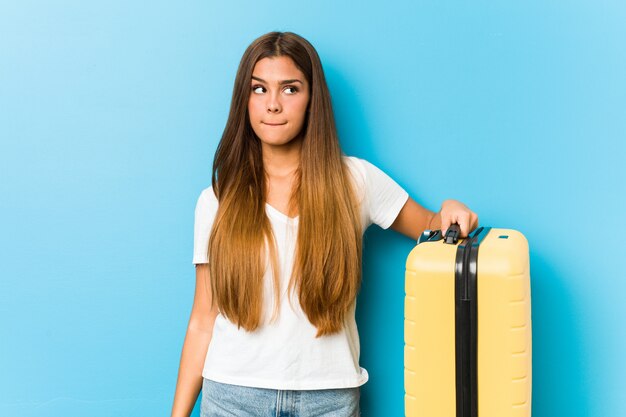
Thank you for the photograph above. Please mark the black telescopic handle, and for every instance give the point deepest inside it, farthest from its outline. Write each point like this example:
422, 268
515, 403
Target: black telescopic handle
453, 233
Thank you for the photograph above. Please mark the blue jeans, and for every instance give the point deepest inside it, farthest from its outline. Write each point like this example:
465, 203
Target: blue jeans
226, 400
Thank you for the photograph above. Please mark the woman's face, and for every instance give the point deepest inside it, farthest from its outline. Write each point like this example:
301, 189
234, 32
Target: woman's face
279, 96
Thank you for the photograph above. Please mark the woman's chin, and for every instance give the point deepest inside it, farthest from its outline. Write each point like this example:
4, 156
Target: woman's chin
280, 142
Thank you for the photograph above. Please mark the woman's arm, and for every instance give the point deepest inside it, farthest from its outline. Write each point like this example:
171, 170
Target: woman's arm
199, 331
413, 219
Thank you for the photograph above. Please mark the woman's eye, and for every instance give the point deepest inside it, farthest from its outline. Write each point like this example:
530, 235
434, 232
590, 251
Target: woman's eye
291, 90
258, 89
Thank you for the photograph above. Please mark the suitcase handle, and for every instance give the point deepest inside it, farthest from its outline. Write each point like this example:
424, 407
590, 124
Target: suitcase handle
452, 234
451, 237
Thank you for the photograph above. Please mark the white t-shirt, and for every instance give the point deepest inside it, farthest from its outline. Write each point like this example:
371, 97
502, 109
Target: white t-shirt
285, 354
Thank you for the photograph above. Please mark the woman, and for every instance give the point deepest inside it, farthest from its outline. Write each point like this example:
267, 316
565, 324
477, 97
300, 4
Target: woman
277, 248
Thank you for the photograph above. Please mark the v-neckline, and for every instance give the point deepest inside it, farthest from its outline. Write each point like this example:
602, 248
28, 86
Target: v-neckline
281, 214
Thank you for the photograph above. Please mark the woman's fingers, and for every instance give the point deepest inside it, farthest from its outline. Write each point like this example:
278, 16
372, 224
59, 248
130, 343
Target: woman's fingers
445, 224
473, 221
464, 222
453, 211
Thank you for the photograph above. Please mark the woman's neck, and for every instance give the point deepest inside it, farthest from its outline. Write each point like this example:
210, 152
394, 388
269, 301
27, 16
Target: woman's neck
281, 161
281, 164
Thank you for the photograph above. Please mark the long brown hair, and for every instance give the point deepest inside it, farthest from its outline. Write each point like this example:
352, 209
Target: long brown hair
327, 263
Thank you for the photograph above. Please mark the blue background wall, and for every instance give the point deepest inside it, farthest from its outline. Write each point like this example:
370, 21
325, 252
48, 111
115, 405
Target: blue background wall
110, 113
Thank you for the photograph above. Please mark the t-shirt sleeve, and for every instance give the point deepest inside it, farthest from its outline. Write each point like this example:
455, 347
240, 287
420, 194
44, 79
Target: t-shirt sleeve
206, 208
384, 197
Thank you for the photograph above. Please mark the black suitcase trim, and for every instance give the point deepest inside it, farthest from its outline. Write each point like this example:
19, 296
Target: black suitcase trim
466, 323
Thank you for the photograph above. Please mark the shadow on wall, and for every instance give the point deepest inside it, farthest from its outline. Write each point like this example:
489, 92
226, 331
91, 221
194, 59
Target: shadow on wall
559, 366
380, 318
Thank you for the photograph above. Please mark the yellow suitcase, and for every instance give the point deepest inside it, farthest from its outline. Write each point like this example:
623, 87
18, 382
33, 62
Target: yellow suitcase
467, 327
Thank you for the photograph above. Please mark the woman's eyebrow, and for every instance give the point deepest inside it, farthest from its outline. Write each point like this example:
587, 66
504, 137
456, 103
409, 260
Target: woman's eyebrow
295, 80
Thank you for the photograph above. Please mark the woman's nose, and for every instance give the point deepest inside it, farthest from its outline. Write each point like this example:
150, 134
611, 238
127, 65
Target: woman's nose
273, 104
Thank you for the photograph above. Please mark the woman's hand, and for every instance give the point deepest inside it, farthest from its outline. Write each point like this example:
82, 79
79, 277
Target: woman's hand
453, 211
413, 219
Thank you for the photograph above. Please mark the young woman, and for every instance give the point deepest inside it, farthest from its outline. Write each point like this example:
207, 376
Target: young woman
277, 248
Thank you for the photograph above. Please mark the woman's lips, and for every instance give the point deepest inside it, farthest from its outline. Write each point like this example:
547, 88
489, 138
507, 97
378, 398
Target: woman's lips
274, 124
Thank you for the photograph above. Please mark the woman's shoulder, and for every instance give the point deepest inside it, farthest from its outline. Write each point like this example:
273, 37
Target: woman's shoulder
208, 193
207, 198
358, 173
360, 168
355, 164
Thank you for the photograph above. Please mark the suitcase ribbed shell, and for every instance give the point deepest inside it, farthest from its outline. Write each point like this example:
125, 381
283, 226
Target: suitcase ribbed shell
504, 328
